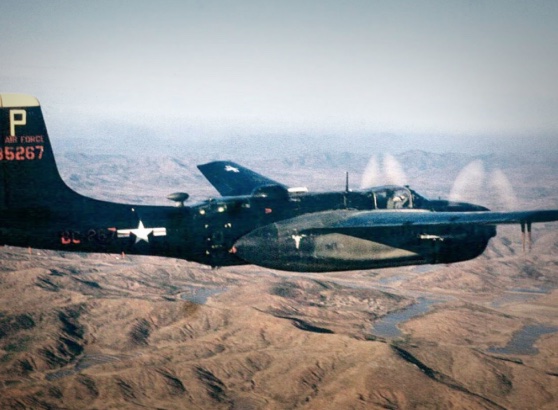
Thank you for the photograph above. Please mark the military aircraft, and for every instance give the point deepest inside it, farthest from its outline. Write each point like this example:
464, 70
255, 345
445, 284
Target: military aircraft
255, 221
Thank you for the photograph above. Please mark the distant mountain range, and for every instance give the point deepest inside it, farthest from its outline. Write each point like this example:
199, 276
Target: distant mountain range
151, 177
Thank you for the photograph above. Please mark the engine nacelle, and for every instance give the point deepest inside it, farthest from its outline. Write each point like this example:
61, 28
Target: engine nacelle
314, 243
307, 244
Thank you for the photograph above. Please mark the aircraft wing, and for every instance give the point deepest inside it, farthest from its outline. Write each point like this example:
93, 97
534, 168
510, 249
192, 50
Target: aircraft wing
231, 179
385, 219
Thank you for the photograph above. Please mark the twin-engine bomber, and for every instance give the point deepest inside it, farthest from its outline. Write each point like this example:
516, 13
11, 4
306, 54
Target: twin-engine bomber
255, 221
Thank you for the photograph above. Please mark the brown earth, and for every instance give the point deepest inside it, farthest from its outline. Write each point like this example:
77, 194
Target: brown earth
106, 331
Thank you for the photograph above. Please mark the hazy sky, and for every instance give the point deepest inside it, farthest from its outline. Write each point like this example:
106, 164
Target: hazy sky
203, 68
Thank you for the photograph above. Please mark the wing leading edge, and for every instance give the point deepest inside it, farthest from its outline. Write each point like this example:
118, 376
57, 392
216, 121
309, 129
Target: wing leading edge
385, 219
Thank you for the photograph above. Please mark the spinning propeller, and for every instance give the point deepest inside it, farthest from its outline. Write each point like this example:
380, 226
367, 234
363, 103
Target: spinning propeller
474, 183
390, 173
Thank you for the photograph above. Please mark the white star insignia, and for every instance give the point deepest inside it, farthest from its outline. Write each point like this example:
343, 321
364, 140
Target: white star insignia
141, 232
230, 168
297, 239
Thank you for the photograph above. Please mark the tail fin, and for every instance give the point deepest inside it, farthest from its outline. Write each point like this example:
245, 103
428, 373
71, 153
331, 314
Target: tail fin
29, 177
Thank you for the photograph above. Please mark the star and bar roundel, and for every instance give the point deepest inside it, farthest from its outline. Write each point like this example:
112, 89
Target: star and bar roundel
141, 232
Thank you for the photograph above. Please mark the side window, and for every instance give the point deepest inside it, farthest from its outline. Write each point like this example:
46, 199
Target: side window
381, 200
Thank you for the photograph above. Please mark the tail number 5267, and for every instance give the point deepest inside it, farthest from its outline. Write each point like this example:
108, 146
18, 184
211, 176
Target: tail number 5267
21, 153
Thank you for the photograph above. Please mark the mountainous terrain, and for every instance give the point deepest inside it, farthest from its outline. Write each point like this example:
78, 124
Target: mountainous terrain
117, 331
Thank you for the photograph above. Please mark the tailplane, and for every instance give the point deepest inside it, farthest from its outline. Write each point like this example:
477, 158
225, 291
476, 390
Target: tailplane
29, 177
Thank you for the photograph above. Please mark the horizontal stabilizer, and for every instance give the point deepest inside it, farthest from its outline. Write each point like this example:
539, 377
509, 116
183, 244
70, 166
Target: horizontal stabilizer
231, 179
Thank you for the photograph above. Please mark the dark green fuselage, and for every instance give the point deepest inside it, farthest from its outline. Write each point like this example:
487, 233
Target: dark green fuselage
271, 227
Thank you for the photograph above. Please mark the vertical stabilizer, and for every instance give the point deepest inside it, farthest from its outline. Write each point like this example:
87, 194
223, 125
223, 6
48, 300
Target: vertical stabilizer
29, 177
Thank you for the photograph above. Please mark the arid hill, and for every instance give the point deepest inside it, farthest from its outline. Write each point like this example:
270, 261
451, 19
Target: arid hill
112, 331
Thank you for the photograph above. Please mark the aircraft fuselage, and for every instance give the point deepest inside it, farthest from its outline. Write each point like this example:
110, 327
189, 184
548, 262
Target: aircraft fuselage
256, 220
224, 231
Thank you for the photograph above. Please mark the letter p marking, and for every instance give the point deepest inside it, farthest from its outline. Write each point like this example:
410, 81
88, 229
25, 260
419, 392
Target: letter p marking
17, 117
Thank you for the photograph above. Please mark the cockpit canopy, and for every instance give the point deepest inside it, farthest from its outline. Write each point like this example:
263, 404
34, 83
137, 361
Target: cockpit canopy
394, 197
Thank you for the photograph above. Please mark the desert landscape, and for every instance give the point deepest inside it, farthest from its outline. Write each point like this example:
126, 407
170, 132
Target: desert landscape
98, 331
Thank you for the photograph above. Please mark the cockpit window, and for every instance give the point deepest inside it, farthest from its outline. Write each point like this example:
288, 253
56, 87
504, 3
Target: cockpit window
399, 199
392, 197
